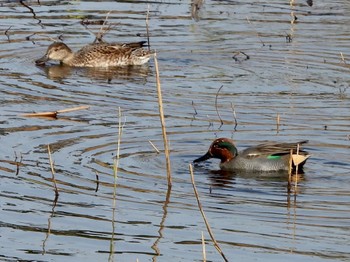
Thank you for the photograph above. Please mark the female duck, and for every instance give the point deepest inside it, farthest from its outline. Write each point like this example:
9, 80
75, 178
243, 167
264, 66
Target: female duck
97, 55
264, 157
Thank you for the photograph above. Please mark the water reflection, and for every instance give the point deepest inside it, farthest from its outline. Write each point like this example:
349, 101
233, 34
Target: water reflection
254, 216
129, 73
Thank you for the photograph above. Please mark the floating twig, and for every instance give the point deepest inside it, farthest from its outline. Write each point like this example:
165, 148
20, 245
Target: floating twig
216, 106
216, 245
162, 121
52, 171
155, 148
55, 113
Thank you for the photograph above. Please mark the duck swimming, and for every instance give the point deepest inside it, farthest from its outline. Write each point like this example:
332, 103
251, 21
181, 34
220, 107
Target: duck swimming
270, 156
98, 55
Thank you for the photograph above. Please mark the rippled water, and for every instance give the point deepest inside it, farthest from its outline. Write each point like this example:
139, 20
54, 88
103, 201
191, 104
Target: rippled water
298, 68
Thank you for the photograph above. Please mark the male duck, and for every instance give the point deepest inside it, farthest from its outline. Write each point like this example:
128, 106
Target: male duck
98, 55
264, 157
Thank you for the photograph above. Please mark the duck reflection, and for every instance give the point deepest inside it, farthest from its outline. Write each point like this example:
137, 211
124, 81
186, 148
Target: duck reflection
130, 73
228, 179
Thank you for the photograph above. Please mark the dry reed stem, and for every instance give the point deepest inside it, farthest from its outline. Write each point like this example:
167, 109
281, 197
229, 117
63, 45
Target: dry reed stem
278, 122
296, 172
52, 171
216, 105
203, 248
155, 148
147, 28
216, 245
256, 32
162, 121
55, 113
290, 170
115, 174
117, 158
342, 57
234, 116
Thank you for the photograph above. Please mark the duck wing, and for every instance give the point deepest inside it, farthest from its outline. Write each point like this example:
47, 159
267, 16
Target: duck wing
272, 149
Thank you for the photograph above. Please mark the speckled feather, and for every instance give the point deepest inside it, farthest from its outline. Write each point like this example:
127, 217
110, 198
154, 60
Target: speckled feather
98, 55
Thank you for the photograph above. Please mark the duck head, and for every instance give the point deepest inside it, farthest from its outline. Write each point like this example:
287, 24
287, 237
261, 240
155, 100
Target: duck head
222, 148
56, 51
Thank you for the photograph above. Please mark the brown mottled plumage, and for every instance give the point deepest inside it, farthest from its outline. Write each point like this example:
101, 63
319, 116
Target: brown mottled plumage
97, 55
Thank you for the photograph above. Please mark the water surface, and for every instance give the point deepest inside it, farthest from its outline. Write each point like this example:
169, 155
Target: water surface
297, 69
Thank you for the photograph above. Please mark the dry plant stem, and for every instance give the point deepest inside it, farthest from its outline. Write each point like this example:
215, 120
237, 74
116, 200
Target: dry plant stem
216, 105
296, 172
290, 170
155, 148
147, 28
52, 171
216, 245
278, 123
115, 173
256, 32
234, 116
342, 58
203, 248
162, 121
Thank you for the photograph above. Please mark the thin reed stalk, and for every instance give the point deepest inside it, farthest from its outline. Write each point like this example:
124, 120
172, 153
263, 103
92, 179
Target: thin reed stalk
203, 248
154, 147
278, 118
290, 170
162, 122
234, 115
296, 172
147, 28
52, 171
216, 105
216, 245
115, 174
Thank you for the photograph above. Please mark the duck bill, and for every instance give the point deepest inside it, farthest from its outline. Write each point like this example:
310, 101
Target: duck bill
42, 61
203, 158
